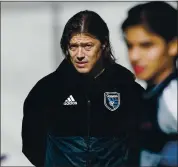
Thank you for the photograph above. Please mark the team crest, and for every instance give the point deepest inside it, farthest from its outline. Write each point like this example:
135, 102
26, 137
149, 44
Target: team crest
112, 100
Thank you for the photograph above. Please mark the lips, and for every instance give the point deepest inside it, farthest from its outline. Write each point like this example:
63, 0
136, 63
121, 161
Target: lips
138, 69
81, 64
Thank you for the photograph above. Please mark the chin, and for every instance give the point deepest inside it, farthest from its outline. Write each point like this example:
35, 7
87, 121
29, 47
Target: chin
143, 77
83, 70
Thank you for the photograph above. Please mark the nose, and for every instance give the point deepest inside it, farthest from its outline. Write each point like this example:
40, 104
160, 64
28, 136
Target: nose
134, 54
80, 54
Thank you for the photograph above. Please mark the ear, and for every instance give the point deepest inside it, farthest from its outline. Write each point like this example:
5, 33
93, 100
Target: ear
103, 46
173, 47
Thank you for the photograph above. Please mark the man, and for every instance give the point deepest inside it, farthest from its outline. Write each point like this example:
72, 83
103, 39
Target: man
150, 32
86, 112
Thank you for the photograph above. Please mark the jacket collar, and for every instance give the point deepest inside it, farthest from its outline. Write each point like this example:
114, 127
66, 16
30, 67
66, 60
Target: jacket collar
67, 72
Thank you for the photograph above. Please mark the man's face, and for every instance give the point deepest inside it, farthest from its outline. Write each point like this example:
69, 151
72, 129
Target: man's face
148, 53
84, 52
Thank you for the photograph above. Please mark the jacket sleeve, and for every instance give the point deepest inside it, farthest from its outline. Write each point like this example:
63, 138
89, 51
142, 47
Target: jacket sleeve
34, 127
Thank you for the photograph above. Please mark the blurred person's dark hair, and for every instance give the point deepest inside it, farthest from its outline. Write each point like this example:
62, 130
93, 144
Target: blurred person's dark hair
89, 23
157, 17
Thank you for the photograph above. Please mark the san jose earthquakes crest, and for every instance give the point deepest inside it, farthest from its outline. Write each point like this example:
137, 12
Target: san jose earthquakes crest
112, 100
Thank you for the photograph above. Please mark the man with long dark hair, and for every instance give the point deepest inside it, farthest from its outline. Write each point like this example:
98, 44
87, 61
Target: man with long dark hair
86, 112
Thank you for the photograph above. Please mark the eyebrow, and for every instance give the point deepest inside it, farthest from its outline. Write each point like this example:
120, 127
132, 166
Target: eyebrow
140, 42
81, 44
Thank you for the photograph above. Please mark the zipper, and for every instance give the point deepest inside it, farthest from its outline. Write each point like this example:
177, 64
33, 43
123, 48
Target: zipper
88, 128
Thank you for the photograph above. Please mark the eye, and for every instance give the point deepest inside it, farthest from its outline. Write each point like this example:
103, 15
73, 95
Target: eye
146, 45
88, 47
73, 47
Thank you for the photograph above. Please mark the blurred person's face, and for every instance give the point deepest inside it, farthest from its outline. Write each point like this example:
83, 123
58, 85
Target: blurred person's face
150, 56
85, 52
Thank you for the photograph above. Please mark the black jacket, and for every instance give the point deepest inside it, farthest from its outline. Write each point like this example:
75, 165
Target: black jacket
69, 121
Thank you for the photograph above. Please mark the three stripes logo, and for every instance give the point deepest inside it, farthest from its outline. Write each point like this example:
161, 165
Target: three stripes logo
70, 101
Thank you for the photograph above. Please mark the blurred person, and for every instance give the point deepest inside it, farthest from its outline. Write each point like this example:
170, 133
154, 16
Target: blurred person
150, 32
83, 114
3, 157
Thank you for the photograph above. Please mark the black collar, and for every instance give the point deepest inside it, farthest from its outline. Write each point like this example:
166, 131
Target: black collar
156, 90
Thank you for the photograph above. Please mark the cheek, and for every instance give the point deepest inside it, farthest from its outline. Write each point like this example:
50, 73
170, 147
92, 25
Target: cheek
94, 55
130, 57
97, 54
154, 54
72, 54
71, 59
153, 59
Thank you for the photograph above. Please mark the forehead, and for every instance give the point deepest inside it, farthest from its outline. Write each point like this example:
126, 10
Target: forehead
139, 34
83, 38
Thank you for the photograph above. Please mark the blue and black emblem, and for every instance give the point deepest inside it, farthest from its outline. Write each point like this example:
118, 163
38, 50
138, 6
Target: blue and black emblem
112, 100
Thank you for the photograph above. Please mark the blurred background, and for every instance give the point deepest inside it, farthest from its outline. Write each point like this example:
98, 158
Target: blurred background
30, 49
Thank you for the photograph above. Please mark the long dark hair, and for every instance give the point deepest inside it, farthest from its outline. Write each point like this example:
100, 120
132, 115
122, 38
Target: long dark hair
90, 23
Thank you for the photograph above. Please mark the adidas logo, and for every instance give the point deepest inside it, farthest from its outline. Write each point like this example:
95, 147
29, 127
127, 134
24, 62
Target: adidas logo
70, 101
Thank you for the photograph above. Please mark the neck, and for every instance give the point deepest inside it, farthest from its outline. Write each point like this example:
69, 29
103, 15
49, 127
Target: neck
157, 80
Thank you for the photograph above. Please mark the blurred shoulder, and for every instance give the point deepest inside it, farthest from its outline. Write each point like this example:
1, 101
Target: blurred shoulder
169, 98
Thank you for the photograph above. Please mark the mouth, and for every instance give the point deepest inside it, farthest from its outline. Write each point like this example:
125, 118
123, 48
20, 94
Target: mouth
80, 64
138, 69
